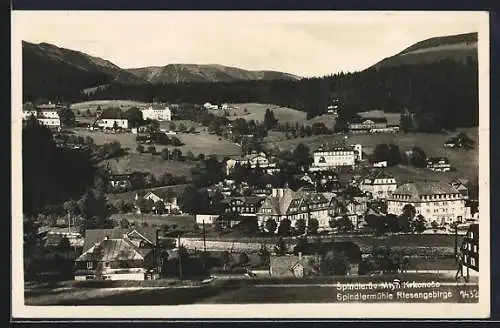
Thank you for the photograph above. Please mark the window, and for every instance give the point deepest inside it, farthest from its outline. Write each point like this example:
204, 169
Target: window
473, 261
475, 248
90, 265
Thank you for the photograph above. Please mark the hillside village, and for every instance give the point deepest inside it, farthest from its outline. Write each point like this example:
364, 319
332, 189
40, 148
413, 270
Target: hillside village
141, 184
310, 195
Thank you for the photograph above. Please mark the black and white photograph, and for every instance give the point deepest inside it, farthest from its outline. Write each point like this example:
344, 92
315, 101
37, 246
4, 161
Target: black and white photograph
259, 164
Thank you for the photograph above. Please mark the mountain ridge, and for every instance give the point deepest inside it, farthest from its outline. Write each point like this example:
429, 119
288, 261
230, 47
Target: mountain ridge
457, 47
181, 73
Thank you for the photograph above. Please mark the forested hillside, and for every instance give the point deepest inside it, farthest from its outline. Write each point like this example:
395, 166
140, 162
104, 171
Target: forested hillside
447, 89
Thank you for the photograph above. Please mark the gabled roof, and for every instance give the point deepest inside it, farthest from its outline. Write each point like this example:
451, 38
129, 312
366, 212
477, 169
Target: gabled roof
437, 159
279, 205
459, 181
93, 236
114, 250
376, 175
307, 199
153, 193
281, 264
420, 188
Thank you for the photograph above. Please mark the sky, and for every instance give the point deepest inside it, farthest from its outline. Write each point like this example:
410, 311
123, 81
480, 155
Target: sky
313, 43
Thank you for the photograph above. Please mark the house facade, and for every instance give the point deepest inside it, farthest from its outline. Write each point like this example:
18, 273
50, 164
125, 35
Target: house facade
438, 164
155, 112
121, 181
237, 209
327, 158
116, 254
295, 266
170, 203
109, 123
46, 114
435, 201
379, 185
253, 161
274, 206
308, 206
369, 124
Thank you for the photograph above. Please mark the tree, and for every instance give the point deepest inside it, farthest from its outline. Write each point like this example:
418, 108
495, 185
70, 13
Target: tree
434, 225
140, 149
159, 207
182, 128
148, 205
301, 245
243, 259
280, 248
71, 208
134, 117
64, 244
418, 158
313, 226
93, 211
335, 263
419, 224
391, 223
271, 225
172, 126
152, 149
264, 255
225, 259
269, 120
284, 228
190, 156
394, 155
300, 226
465, 141
345, 224
165, 154
176, 154
381, 153
301, 155
189, 200
67, 117
333, 223
124, 223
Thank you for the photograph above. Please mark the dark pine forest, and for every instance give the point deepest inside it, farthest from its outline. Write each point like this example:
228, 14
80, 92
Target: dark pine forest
446, 89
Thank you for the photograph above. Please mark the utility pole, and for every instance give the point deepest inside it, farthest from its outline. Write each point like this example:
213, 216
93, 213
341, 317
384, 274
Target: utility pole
158, 256
180, 255
204, 237
456, 240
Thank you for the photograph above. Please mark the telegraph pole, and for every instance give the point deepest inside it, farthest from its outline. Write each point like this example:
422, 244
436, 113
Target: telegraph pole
180, 255
158, 256
204, 237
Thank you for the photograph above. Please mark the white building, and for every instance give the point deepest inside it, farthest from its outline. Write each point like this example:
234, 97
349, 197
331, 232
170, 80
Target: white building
435, 201
326, 158
210, 106
46, 114
253, 161
157, 113
380, 185
109, 123
206, 218
438, 164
